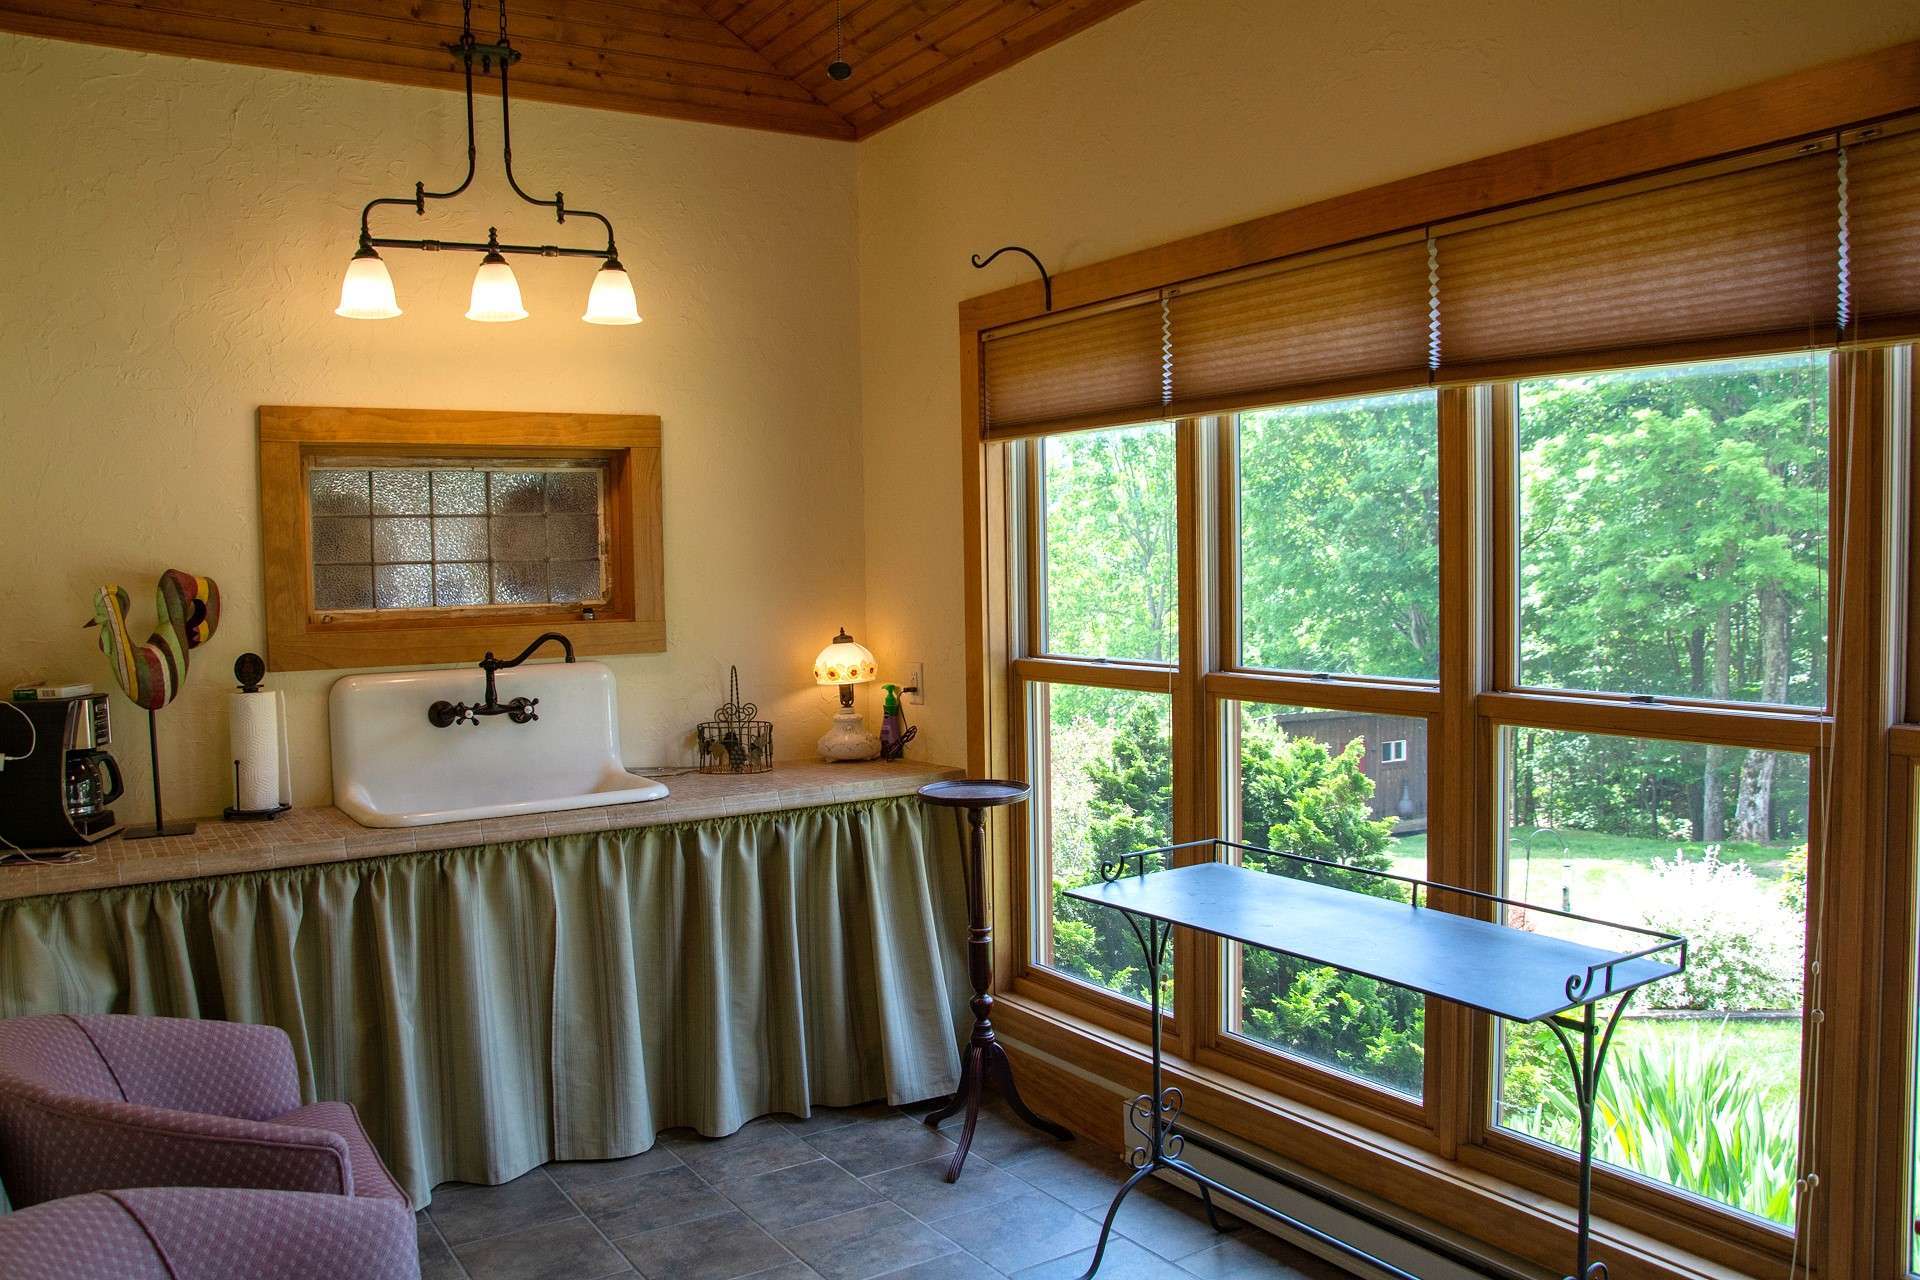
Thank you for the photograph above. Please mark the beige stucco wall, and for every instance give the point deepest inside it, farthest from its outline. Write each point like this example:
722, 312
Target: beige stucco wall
172, 235
1177, 116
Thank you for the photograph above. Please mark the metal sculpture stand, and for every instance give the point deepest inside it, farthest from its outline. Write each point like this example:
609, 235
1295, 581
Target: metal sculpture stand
159, 826
983, 1060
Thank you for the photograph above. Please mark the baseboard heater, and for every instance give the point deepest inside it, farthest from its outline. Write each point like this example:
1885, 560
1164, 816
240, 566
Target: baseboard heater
1319, 1208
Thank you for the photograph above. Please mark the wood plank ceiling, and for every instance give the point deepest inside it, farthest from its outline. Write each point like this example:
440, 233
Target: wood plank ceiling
757, 63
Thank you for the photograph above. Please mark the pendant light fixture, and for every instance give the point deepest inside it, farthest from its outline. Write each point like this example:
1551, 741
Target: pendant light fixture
366, 292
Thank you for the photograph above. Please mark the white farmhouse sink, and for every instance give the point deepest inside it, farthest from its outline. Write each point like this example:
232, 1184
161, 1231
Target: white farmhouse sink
392, 768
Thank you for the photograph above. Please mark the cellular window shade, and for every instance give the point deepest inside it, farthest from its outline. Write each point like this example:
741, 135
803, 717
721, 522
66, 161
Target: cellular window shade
1102, 368
1883, 204
1356, 322
1741, 260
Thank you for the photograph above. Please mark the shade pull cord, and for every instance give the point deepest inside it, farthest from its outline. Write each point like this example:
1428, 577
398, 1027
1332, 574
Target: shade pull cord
1813, 1001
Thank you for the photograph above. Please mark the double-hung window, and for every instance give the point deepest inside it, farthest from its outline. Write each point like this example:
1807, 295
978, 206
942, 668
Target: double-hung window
1544, 553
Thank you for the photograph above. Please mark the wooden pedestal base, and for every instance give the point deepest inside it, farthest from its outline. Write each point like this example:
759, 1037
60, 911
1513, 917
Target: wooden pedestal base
983, 1061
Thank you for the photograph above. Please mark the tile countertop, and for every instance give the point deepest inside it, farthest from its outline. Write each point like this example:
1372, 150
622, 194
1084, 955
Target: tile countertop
304, 837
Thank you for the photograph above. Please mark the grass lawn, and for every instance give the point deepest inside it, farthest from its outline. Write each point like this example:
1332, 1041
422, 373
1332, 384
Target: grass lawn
1593, 873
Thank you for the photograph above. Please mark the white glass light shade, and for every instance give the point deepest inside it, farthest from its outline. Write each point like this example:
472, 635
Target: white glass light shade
845, 661
496, 294
366, 292
610, 301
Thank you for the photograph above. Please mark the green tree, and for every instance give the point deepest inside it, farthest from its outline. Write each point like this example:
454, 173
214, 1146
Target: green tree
1673, 541
1130, 811
1110, 551
1299, 797
1339, 533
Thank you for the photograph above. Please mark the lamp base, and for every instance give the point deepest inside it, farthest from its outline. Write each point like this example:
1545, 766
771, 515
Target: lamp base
848, 739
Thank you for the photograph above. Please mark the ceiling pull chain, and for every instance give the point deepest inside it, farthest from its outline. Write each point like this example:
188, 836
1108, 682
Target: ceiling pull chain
839, 68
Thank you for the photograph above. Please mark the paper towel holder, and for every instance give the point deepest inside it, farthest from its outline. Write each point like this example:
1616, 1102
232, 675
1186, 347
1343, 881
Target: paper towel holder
249, 669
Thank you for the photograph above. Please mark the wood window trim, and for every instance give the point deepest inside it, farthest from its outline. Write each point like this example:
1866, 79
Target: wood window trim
1863, 1174
632, 619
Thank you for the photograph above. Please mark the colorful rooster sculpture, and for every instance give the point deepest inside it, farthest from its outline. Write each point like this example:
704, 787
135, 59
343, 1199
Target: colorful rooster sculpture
189, 614
152, 673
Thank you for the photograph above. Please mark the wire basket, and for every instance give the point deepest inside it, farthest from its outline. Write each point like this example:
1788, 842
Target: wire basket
734, 741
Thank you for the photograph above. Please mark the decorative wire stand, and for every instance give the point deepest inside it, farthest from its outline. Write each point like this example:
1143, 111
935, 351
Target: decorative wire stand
734, 741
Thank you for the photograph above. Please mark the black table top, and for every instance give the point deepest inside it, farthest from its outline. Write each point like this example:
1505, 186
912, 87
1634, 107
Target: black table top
974, 793
1495, 968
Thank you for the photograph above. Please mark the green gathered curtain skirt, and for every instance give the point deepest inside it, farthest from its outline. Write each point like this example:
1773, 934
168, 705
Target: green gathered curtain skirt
490, 1009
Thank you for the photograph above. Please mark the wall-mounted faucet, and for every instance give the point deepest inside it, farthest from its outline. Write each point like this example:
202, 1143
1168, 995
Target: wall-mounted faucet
519, 710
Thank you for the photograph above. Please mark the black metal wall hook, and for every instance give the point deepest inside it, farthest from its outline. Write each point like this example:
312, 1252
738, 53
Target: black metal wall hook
1046, 281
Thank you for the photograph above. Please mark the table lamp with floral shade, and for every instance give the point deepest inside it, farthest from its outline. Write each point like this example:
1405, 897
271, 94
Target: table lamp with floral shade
846, 663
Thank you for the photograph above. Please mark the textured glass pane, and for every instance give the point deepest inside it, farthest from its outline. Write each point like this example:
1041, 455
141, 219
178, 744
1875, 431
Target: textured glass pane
402, 539
572, 537
340, 540
1340, 537
459, 584
460, 538
401, 493
1346, 787
520, 583
574, 581
1110, 571
1673, 531
1109, 788
519, 538
574, 491
1702, 1082
403, 586
517, 493
342, 586
338, 493
459, 493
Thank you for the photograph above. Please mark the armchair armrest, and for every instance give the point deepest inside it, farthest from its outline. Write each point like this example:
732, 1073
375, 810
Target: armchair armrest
234, 1069
70, 1146
307, 1237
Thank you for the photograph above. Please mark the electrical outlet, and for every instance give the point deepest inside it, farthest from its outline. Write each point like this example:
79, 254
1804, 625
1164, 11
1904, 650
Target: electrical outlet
917, 681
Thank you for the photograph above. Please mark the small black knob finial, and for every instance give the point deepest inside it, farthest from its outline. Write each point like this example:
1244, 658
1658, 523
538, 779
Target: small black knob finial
248, 669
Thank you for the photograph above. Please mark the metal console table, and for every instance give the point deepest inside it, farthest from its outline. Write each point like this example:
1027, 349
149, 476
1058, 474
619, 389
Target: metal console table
1492, 967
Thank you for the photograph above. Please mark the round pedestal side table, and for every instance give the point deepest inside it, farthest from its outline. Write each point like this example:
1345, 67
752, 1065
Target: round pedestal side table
982, 1059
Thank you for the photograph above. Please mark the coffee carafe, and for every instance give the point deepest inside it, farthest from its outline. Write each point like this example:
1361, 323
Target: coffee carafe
93, 783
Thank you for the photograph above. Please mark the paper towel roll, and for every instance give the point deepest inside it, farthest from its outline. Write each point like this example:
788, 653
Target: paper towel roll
255, 729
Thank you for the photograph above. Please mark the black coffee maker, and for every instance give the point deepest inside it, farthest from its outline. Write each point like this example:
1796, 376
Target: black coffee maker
59, 778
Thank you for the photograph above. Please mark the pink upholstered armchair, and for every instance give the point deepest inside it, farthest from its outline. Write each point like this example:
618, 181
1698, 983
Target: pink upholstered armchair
179, 1233
99, 1102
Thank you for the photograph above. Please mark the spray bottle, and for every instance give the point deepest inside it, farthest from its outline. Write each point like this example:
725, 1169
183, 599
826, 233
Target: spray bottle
894, 733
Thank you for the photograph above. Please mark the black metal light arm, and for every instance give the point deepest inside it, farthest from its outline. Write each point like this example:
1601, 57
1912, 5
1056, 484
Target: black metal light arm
469, 50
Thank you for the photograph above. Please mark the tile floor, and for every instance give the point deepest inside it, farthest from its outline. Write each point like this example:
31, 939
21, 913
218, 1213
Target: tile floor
845, 1195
